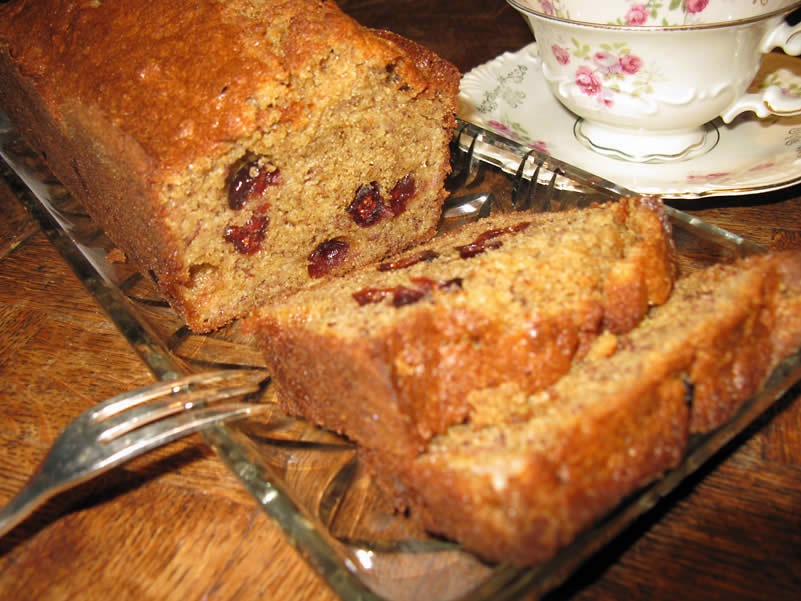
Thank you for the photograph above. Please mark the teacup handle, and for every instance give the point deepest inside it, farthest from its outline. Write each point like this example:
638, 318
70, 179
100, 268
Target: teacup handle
784, 36
771, 100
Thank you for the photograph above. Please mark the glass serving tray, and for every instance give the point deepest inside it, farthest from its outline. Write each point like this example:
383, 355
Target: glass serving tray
309, 481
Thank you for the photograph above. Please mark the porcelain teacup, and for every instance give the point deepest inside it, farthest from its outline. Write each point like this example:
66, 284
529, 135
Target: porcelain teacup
648, 79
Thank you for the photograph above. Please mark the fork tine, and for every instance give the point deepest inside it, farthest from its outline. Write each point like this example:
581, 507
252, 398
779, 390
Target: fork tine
461, 172
161, 407
142, 395
163, 431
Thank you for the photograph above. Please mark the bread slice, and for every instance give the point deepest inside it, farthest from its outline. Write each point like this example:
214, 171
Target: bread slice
388, 355
527, 472
236, 150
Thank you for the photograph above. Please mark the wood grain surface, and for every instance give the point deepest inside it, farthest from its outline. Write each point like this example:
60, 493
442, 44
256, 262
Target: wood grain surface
176, 525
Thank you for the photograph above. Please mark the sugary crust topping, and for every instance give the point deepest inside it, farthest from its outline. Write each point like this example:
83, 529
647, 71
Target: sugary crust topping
138, 61
185, 78
426, 69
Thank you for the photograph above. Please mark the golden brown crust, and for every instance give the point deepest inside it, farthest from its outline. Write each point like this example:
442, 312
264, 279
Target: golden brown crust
111, 55
757, 331
107, 56
433, 74
105, 171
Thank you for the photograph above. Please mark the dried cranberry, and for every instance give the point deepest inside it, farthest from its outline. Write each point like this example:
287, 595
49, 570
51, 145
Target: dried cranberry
425, 255
406, 296
401, 193
452, 284
250, 177
511, 229
327, 256
476, 248
367, 296
247, 238
427, 284
367, 207
483, 241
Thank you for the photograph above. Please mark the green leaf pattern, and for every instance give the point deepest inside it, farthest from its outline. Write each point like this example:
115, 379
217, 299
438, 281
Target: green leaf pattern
788, 81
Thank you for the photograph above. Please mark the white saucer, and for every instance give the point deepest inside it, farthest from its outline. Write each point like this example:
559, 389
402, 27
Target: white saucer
509, 96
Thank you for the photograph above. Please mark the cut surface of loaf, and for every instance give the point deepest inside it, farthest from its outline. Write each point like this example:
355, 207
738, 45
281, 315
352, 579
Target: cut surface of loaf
529, 472
237, 150
388, 353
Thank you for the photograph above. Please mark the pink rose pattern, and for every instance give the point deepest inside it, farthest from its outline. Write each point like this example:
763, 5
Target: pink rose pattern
561, 55
640, 12
600, 72
547, 8
637, 15
516, 133
630, 64
695, 6
588, 81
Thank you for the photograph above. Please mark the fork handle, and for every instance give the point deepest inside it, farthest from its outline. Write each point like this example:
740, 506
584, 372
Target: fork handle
24, 504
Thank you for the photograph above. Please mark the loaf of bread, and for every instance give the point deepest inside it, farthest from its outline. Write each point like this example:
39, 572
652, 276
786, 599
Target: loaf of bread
236, 150
388, 353
525, 473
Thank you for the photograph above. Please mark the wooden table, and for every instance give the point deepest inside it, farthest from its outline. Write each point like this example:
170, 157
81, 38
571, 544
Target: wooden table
177, 525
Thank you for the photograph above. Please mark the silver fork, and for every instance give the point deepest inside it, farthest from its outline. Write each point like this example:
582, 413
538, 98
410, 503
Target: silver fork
128, 425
